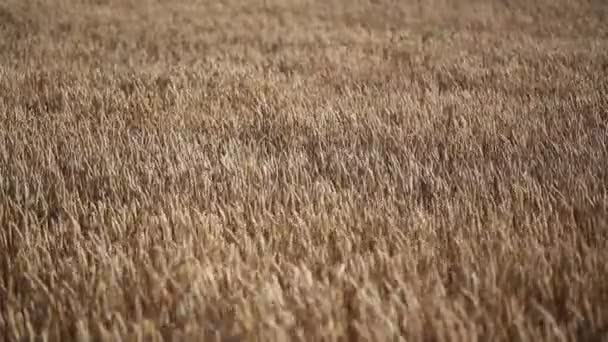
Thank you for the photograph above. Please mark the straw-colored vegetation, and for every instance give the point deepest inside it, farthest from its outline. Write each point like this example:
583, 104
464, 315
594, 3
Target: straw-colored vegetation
304, 170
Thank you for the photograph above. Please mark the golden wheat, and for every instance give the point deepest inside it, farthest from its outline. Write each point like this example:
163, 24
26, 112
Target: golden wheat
304, 170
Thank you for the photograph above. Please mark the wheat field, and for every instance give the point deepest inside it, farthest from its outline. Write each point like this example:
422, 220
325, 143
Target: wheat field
303, 170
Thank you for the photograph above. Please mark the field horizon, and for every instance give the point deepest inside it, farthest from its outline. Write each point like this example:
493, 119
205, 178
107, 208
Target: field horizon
273, 170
